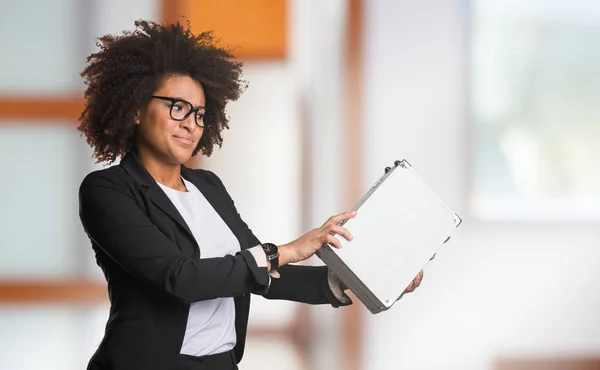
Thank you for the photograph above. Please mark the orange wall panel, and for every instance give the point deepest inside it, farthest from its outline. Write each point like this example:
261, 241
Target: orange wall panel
254, 29
42, 109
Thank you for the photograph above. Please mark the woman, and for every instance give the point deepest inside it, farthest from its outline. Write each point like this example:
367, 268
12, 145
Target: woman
179, 261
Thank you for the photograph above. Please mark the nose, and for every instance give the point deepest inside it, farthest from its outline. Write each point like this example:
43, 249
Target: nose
189, 123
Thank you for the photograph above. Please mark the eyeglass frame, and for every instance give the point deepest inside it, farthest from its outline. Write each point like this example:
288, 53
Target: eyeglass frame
207, 113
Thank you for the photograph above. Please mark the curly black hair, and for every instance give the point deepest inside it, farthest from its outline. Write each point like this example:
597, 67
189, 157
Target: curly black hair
122, 76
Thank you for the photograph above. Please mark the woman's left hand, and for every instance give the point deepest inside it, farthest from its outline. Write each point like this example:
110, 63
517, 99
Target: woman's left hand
411, 287
415, 283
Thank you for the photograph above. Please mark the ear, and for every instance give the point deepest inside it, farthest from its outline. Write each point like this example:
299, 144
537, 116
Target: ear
137, 117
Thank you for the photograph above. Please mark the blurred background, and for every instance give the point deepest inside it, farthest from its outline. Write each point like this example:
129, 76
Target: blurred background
496, 104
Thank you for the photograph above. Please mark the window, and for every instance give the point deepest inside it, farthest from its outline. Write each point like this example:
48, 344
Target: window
535, 99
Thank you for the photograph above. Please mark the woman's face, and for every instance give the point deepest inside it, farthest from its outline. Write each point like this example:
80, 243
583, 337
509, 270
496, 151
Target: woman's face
162, 137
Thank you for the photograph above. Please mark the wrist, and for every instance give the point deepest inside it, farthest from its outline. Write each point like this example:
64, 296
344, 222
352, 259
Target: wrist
284, 254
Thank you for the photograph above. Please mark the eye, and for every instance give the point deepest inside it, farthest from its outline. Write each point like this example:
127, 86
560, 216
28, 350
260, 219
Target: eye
178, 106
199, 116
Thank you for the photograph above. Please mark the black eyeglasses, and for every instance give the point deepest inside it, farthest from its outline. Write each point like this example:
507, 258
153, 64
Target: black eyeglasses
181, 110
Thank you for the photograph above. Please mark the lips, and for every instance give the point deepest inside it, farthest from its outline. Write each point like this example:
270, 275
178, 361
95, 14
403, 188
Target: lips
184, 139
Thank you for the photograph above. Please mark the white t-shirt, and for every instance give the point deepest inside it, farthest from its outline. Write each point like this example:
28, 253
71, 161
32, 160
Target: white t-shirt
210, 326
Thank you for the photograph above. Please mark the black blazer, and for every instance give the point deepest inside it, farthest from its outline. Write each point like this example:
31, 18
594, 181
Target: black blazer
153, 268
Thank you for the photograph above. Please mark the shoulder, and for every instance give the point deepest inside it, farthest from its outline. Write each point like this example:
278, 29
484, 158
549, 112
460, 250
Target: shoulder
114, 176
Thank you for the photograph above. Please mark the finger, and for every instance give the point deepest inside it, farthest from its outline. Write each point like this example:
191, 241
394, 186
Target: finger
341, 217
341, 231
333, 241
416, 283
418, 279
410, 288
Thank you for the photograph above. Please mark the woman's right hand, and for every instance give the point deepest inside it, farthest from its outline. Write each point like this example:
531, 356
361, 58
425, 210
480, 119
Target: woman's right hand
305, 246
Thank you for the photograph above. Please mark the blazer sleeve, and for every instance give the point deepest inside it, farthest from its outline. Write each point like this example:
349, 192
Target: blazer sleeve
304, 284
113, 220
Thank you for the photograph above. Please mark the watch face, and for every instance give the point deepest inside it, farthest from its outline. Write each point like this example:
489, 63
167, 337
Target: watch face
269, 248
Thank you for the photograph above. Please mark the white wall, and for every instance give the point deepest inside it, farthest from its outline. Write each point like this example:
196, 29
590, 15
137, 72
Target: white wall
494, 290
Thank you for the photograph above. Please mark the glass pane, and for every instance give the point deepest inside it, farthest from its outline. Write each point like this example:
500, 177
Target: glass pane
41, 235
49, 337
107, 21
40, 41
535, 93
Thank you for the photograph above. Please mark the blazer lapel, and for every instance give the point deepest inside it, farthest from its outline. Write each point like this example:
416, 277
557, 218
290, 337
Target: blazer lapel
160, 199
134, 167
218, 201
213, 195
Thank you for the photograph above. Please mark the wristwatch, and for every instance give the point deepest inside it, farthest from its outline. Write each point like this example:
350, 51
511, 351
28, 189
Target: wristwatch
272, 253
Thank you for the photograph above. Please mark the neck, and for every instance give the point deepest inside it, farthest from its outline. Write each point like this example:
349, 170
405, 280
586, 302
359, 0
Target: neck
168, 174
